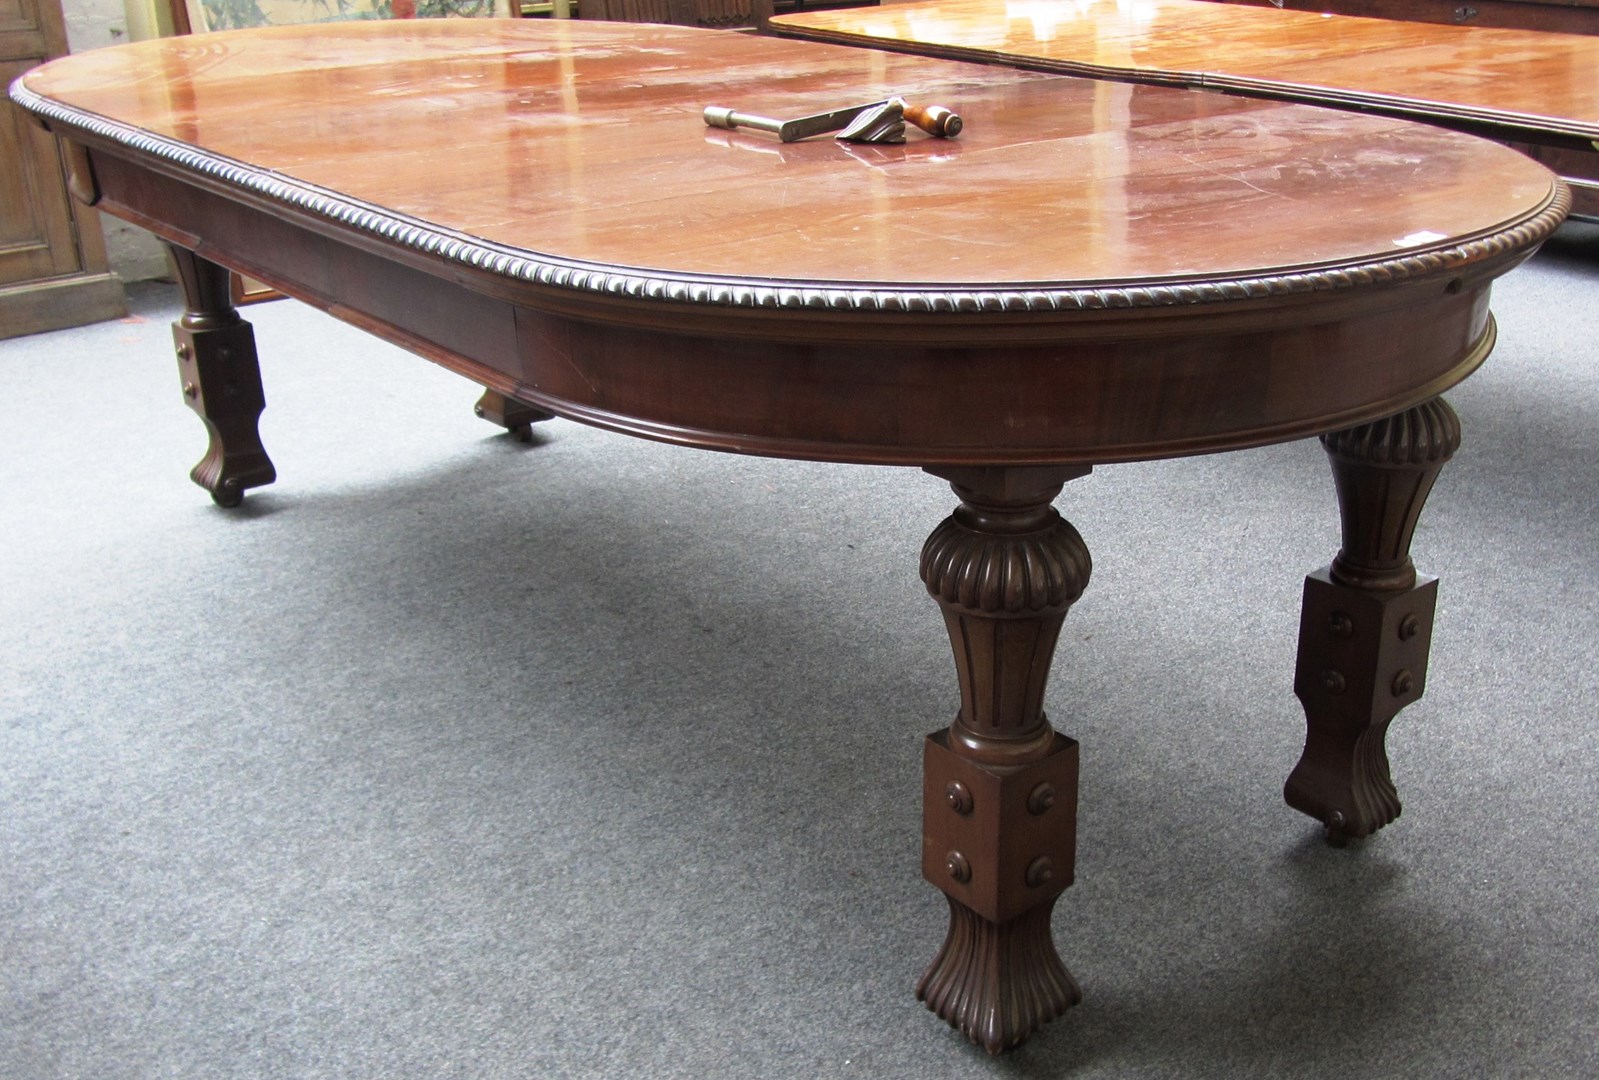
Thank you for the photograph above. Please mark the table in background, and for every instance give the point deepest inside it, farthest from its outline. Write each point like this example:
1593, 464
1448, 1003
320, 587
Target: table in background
1536, 91
1093, 272
1558, 16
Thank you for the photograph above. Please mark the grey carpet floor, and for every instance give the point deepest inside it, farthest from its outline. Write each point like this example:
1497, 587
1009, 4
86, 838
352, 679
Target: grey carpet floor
448, 756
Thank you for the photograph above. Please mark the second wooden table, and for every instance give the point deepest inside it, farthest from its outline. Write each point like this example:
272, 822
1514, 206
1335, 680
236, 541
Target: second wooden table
1536, 91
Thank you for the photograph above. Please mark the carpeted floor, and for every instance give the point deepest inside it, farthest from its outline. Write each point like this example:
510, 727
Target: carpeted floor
448, 756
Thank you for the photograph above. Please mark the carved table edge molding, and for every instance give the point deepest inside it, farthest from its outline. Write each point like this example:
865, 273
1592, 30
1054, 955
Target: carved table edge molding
845, 297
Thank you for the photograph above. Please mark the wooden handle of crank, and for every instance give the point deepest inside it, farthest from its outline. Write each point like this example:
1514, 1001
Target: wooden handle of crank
934, 119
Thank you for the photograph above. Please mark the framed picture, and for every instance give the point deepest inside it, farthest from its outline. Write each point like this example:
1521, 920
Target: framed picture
239, 14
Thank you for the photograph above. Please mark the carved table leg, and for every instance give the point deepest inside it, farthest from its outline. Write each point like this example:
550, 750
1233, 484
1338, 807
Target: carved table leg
514, 416
1000, 786
1366, 624
221, 381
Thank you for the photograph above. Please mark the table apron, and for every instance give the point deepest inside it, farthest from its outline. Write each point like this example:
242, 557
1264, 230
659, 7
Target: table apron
1104, 387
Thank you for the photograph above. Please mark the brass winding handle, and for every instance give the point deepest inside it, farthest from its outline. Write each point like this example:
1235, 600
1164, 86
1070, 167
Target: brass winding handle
933, 119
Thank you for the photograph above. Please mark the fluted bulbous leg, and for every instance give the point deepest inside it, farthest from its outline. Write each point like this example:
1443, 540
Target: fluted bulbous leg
221, 381
1366, 624
1000, 786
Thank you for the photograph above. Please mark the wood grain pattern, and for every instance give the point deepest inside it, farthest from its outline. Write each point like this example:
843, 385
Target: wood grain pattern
559, 142
1515, 84
582, 208
1557, 16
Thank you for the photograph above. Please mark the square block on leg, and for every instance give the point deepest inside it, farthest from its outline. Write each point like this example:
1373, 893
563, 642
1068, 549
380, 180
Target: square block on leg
1361, 652
1000, 839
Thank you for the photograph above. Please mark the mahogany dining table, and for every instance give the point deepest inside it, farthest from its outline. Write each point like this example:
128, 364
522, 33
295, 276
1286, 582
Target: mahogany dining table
1090, 272
1534, 90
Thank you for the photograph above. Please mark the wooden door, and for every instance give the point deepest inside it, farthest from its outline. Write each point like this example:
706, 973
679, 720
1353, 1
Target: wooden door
53, 270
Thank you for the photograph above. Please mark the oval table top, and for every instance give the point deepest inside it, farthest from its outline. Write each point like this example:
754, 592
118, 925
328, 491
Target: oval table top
1301, 269
551, 138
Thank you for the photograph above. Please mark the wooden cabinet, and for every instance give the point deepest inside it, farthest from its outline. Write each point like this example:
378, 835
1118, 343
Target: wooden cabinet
1560, 16
53, 270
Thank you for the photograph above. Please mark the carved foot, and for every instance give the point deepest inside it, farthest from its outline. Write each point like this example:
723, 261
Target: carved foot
997, 983
1366, 624
221, 382
514, 416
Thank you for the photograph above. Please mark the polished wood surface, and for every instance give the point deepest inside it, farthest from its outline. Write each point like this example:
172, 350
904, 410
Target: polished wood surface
1091, 272
1555, 16
547, 155
582, 182
1515, 83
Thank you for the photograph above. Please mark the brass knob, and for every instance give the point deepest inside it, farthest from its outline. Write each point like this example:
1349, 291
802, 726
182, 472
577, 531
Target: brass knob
958, 797
1041, 798
958, 867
